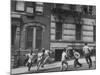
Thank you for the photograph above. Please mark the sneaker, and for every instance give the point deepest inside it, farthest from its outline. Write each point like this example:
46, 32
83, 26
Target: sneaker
42, 66
90, 66
81, 65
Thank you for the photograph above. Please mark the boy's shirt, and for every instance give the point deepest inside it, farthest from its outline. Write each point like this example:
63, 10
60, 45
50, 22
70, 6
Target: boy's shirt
64, 55
86, 49
30, 58
39, 56
47, 53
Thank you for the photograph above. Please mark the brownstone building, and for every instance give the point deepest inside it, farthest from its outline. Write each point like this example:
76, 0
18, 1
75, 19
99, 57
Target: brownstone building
36, 25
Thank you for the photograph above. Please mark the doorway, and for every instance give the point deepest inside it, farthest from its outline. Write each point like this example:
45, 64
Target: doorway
58, 54
33, 37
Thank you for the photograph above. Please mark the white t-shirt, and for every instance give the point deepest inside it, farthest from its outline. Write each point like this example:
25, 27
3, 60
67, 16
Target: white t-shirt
30, 58
47, 52
64, 55
39, 56
86, 49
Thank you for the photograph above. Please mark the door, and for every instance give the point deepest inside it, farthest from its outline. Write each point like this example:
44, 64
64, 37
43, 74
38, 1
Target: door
30, 38
38, 38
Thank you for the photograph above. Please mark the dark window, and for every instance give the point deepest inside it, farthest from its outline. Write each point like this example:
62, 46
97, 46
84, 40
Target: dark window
13, 5
90, 10
58, 30
85, 9
59, 5
58, 54
13, 34
94, 33
78, 32
72, 7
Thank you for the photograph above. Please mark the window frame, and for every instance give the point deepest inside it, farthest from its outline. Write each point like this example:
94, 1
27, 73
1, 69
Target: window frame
94, 33
20, 10
39, 5
61, 31
32, 5
78, 32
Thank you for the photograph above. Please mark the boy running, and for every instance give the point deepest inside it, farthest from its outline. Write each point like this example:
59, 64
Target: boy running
47, 55
87, 50
63, 59
77, 56
29, 63
41, 57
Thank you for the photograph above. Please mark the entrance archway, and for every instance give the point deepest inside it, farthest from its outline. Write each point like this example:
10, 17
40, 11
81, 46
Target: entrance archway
34, 35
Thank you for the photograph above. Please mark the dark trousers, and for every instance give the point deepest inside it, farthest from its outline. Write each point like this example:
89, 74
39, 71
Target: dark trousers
25, 61
76, 62
64, 62
29, 65
88, 60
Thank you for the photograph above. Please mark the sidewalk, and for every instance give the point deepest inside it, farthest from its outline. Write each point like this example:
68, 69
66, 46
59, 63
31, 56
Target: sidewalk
47, 66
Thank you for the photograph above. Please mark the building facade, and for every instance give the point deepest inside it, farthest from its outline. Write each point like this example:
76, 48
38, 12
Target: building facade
36, 25
72, 25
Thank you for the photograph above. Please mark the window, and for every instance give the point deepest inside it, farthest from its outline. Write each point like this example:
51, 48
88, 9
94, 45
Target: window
78, 32
94, 33
30, 6
94, 10
59, 6
20, 6
13, 34
85, 9
13, 5
58, 30
39, 8
72, 7
29, 10
90, 10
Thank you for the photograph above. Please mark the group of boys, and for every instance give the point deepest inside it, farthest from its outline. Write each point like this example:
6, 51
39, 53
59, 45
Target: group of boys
41, 57
45, 54
86, 52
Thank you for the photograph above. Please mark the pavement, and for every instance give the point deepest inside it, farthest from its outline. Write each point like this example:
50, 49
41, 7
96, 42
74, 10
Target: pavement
52, 67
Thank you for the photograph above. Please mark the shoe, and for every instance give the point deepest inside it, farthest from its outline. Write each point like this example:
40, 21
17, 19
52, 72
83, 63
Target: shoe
90, 66
81, 65
42, 66
28, 69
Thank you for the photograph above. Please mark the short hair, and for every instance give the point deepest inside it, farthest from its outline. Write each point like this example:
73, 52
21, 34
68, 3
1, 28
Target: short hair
85, 43
64, 49
73, 50
43, 50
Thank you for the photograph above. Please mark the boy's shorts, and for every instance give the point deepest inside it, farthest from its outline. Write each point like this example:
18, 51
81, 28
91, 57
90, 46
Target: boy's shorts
64, 61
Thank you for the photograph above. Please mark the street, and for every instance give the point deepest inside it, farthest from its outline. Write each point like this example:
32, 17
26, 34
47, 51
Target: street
55, 67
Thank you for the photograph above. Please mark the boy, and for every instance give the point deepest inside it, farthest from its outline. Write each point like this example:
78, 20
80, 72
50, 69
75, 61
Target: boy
47, 55
77, 56
63, 59
87, 50
29, 63
41, 57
